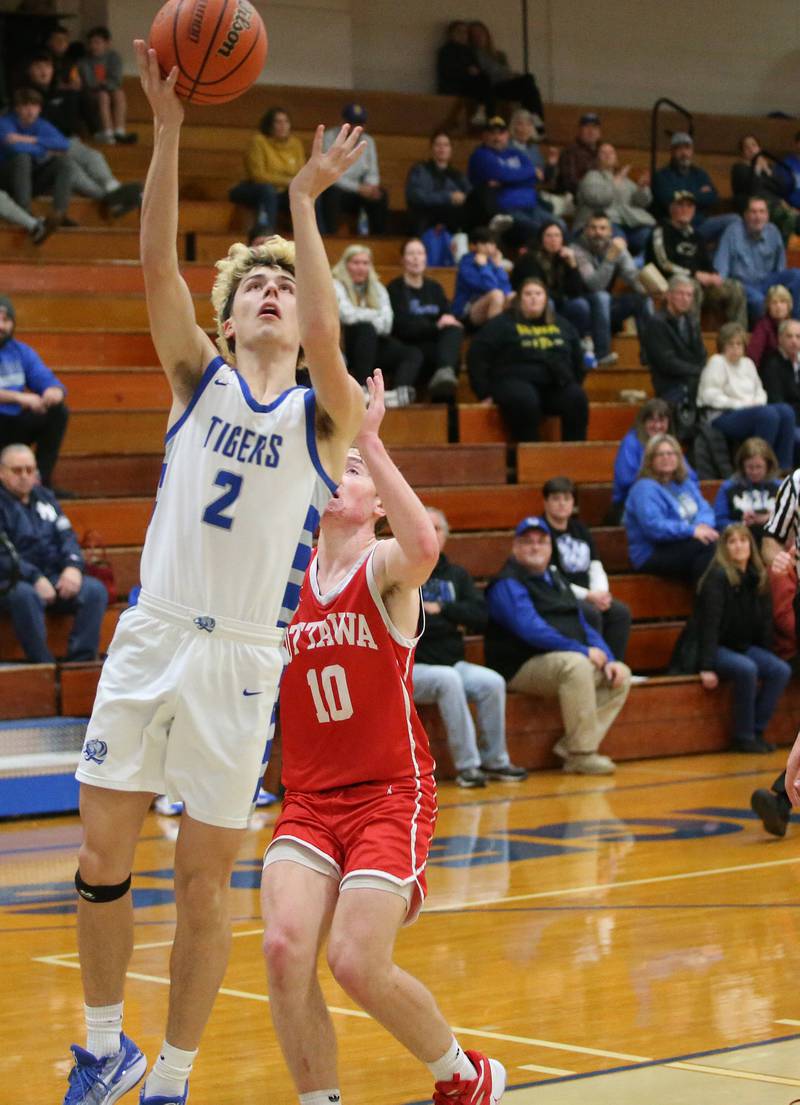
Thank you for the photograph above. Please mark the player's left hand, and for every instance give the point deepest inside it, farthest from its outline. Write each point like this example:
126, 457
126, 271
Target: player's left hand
375, 407
324, 168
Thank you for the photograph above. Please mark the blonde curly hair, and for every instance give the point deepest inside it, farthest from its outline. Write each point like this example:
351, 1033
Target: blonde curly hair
275, 252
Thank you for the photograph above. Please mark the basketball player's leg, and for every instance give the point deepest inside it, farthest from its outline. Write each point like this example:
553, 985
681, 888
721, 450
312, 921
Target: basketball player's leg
297, 905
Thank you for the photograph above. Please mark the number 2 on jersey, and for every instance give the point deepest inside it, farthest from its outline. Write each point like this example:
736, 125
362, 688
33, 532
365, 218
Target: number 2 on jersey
213, 512
330, 685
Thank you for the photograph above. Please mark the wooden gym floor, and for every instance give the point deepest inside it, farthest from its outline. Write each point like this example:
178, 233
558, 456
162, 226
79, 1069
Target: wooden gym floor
622, 940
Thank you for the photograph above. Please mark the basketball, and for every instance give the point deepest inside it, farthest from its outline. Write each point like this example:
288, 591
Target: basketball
219, 47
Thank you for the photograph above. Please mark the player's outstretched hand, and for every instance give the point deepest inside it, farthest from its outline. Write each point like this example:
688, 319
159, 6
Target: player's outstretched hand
324, 168
375, 407
167, 108
793, 773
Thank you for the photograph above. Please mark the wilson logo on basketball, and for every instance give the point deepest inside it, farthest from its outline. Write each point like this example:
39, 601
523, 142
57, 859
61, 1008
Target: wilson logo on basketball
241, 22
197, 20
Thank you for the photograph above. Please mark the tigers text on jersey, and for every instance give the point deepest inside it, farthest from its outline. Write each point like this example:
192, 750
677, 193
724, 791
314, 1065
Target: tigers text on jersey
347, 710
239, 499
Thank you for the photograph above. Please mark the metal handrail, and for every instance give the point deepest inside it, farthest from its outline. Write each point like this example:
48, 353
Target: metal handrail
665, 100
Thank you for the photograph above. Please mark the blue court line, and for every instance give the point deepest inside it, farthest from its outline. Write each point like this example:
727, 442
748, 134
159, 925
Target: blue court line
137, 924
61, 847
639, 1066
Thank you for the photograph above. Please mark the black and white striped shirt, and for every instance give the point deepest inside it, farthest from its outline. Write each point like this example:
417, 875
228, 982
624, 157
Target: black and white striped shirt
785, 519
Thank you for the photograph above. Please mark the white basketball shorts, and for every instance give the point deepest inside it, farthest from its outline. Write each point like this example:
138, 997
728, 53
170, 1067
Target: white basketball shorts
185, 708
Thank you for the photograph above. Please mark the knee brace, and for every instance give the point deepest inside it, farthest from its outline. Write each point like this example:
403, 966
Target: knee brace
100, 894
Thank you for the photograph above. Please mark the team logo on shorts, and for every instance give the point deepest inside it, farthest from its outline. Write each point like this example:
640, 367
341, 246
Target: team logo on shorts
95, 751
206, 623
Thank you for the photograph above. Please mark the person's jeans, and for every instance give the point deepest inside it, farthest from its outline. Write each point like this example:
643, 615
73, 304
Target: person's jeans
602, 314
637, 238
264, 199
27, 612
774, 422
758, 678
25, 178
451, 688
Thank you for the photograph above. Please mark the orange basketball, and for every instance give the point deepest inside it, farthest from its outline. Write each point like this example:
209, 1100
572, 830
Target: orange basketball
219, 47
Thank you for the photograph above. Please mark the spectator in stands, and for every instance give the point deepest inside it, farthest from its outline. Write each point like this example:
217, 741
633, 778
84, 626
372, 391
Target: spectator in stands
92, 174
539, 640
603, 260
529, 362
65, 59
609, 189
676, 249
575, 556
780, 370
32, 156
682, 175
554, 263
506, 84
39, 229
669, 524
758, 175
452, 603
273, 157
764, 336
438, 194
482, 285
581, 155
422, 318
105, 101
32, 407
673, 344
733, 398
504, 178
734, 626
751, 251
524, 136
458, 73
62, 106
50, 564
653, 417
748, 496
365, 313
358, 190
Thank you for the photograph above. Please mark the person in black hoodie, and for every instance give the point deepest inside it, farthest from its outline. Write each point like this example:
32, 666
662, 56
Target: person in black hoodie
733, 616
451, 601
422, 317
529, 362
674, 345
780, 369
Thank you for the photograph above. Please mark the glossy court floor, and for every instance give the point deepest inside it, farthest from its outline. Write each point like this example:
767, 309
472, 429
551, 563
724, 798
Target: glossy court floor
634, 939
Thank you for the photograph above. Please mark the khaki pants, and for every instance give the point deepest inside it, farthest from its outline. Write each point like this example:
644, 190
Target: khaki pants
588, 702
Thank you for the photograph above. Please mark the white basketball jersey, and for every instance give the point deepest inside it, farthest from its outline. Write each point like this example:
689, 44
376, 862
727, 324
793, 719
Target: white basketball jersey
239, 499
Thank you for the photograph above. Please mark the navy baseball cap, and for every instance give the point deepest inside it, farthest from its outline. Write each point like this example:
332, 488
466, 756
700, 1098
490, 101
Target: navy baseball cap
355, 114
533, 521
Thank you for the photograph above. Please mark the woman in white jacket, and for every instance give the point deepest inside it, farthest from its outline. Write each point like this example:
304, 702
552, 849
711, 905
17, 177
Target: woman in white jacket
734, 398
366, 316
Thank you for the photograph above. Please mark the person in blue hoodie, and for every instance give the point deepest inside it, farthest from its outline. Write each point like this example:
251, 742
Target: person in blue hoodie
33, 155
505, 177
669, 524
749, 495
654, 417
482, 285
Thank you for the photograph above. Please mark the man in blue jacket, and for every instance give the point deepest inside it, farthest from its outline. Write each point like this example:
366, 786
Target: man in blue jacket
33, 155
682, 175
49, 570
505, 178
32, 408
539, 640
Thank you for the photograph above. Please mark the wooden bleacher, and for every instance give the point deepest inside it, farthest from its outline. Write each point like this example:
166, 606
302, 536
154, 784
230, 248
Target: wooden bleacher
80, 303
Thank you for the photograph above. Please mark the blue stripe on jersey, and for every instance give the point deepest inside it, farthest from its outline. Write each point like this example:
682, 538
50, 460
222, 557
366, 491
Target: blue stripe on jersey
268, 746
247, 395
300, 561
205, 380
311, 439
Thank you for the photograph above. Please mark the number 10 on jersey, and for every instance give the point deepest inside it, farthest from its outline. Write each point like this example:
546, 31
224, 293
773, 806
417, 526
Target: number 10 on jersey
330, 693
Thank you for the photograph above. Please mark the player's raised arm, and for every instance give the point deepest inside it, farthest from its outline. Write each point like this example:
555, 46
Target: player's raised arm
183, 348
409, 557
317, 310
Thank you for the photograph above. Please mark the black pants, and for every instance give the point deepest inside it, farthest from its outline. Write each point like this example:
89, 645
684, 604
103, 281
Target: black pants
522, 404
25, 178
45, 431
462, 217
335, 200
613, 625
366, 350
686, 559
524, 89
443, 350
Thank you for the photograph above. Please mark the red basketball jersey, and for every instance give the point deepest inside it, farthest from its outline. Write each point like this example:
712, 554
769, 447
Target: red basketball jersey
347, 707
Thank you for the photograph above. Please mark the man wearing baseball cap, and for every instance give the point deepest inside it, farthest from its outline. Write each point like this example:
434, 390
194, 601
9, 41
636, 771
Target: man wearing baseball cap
682, 175
581, 155
540, 642
504, 177
359, 189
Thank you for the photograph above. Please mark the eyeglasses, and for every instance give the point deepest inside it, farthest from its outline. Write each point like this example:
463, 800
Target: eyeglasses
21, 469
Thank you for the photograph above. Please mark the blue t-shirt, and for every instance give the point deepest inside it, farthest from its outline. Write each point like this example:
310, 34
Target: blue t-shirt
22, 368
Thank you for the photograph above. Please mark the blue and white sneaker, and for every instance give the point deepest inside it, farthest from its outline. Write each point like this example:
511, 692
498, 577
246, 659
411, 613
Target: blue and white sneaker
167, 808
94, 1081
162, 1099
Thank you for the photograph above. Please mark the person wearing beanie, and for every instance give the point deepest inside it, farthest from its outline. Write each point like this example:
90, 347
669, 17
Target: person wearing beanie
358, 191
32, 408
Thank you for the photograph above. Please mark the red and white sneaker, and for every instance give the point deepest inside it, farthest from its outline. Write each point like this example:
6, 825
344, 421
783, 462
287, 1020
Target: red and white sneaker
485, 1089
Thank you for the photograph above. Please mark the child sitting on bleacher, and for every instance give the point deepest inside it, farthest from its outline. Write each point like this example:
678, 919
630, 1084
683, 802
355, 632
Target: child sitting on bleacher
749, 495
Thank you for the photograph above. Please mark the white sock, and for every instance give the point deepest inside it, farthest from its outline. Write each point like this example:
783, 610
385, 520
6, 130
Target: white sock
103, 1029
320, 1097
170, 1073
112, 185
453, 1062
